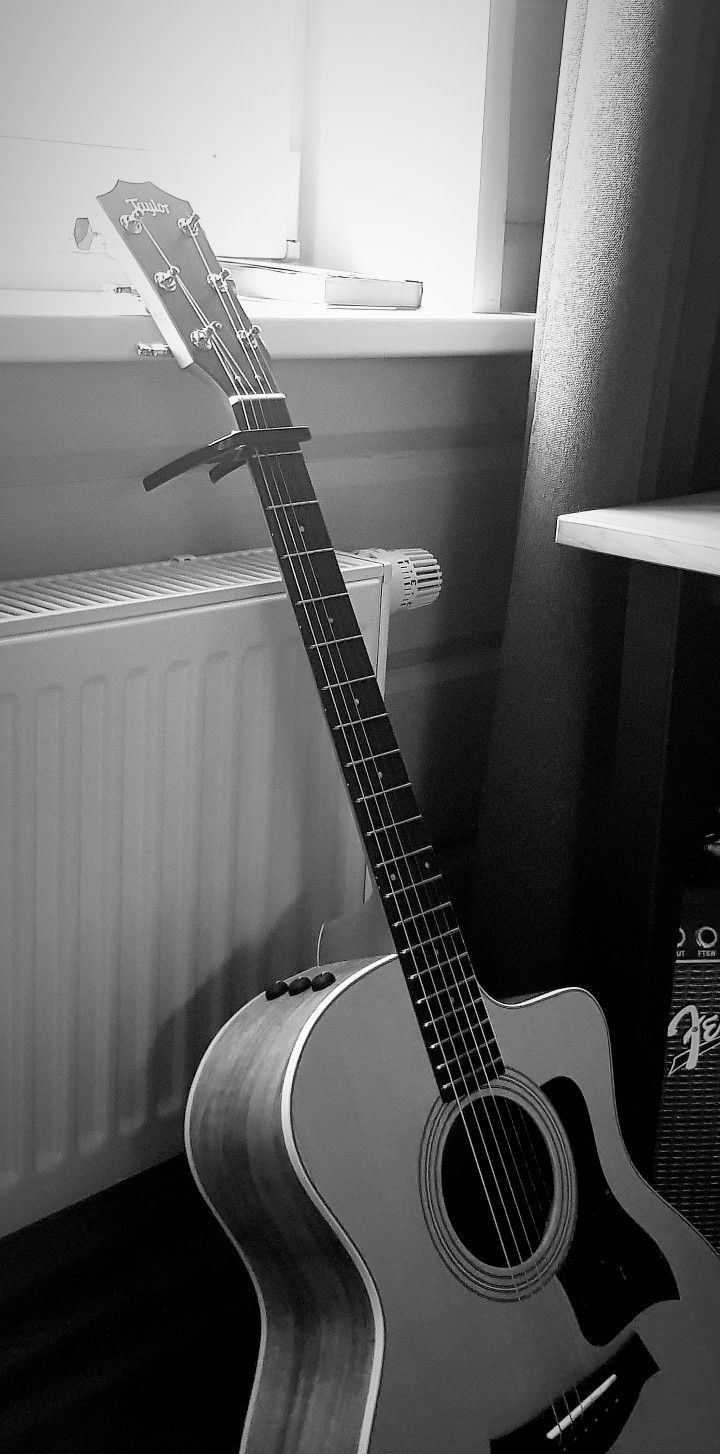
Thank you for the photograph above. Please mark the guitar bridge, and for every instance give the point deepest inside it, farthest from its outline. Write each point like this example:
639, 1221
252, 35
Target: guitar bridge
589, 1416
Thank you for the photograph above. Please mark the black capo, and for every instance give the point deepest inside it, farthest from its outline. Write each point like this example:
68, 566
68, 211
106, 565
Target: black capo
228, 454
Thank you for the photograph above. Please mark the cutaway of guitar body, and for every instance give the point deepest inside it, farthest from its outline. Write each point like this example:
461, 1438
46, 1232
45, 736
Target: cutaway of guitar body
316, 1133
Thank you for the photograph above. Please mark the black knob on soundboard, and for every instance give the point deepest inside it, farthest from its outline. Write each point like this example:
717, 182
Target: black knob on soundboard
322, 980
276, 989
299, 984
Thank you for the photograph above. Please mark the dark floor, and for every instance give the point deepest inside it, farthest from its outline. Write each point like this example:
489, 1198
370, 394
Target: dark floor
128, 1325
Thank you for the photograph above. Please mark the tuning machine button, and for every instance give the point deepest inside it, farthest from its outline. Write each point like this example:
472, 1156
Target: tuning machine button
189, 224
167, 280
219, 280
152, 350
130, 221
204, 338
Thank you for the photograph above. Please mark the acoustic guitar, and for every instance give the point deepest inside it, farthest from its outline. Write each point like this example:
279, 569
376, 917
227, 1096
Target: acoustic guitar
452, 1251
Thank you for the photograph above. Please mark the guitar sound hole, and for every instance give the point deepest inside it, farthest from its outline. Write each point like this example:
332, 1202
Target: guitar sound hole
497, 1181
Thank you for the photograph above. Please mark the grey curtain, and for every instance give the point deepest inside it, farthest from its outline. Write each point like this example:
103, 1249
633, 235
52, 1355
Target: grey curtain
627, 319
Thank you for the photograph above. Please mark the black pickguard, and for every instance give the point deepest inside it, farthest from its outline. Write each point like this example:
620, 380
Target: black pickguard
613, 1269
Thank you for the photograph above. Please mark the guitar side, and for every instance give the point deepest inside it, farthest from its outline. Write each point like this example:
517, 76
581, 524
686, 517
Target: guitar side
319, 1353
315, 1150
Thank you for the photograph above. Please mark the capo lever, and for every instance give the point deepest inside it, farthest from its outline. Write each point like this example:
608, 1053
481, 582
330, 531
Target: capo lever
230, 453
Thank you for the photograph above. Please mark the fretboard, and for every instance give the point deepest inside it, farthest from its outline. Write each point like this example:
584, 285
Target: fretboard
443, 987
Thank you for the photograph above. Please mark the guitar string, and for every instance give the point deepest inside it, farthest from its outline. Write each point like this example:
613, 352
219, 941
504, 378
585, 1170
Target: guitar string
243, 336
232, 371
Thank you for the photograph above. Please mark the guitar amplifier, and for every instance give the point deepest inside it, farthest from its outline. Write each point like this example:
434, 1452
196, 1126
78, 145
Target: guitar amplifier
687, 1148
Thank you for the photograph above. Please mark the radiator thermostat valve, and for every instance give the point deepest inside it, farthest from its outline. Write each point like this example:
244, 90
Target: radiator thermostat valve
416, 576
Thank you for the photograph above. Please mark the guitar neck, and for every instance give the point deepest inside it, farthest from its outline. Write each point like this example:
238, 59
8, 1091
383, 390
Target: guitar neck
431, 950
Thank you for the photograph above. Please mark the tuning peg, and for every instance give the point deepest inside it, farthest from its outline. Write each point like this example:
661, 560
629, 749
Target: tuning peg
205, 337
219, 280
131, 220
190, 224
250, 336
168, 280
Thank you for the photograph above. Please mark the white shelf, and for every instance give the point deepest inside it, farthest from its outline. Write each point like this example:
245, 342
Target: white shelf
683, 532
67, 327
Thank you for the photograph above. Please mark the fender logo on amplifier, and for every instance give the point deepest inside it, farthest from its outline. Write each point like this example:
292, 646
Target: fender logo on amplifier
703, 1034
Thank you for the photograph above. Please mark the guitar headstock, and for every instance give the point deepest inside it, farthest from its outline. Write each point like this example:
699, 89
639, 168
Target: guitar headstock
161, 244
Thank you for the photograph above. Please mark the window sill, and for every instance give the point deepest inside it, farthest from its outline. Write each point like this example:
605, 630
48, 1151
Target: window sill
66, 327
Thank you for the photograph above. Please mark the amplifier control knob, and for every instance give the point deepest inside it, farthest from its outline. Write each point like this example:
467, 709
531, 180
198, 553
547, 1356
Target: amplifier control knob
706, 936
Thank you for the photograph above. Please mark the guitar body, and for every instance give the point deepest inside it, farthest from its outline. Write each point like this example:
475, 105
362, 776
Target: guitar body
315, 1131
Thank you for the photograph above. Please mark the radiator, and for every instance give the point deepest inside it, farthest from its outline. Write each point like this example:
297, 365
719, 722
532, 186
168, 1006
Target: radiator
173, 831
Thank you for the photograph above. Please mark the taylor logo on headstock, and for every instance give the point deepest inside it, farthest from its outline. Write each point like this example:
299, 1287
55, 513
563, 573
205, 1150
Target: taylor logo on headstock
702, 1034
149, 206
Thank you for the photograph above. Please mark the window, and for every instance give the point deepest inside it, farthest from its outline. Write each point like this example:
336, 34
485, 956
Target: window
426, 140
415, 134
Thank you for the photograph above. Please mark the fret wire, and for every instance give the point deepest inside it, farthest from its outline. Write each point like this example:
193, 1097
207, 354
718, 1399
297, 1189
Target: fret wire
394, 788
320, 600
418, 883
402, 823
461, 1031
357, 721
292, 505
318, 645
418, 973
427, 1024
391, 752
446, 1039
436, 910
443, 959
475, 988
442, 934
383, 862
450, 1053
415, 921
301, 554
351, 682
